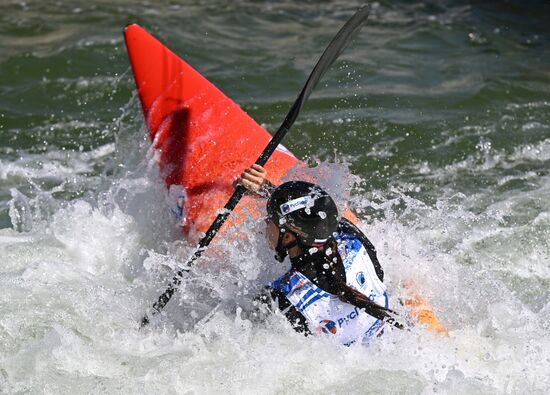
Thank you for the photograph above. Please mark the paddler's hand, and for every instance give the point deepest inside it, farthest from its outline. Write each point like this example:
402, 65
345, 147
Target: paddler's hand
253, 179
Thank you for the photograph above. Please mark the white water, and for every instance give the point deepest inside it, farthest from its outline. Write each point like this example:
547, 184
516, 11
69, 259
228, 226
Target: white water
76, 277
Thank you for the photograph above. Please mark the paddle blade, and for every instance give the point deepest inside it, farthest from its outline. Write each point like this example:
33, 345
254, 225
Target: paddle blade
331, 53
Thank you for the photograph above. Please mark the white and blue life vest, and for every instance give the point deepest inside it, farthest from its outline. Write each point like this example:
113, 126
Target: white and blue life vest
326, 313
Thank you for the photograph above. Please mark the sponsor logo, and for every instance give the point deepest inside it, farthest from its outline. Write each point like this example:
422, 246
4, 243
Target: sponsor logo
327, 326
350, 317
360, 278
296, 204
331, 327
299, 285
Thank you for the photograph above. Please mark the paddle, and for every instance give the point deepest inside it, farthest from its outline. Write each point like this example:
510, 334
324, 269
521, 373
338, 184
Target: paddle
334, 49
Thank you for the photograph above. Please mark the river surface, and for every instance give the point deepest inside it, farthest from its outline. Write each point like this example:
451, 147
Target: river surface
437, 117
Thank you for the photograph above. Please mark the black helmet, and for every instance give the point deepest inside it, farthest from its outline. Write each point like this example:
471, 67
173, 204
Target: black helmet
306, 210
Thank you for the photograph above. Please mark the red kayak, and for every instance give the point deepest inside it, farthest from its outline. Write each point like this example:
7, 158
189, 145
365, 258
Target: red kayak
205, 139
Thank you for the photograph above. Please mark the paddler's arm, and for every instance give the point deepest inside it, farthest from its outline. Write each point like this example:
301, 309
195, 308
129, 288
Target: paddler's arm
254, 179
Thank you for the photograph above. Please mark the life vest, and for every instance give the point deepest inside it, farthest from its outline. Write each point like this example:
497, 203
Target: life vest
326, 313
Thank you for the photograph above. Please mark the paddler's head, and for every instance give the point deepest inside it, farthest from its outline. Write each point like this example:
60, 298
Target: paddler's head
301, 216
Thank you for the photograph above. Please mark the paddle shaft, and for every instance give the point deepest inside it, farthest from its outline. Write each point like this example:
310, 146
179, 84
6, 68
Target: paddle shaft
331, 53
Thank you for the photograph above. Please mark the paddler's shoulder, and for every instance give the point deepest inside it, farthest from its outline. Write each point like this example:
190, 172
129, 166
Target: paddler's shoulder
350, 239
348, 234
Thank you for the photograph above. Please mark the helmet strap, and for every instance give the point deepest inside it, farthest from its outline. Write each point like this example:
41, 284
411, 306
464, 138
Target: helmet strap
281, 251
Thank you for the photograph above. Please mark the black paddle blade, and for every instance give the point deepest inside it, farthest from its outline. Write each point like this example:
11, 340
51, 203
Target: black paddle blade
334, 49
331, 53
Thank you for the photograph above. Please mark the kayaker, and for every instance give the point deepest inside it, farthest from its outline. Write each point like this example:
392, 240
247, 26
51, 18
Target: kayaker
335, 282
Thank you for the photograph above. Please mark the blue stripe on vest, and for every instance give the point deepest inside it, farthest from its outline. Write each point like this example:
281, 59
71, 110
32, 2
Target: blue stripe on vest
311, 296
374, 327
305, 298
314, 299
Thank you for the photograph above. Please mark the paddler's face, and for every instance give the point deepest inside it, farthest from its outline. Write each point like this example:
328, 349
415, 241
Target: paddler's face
272, 233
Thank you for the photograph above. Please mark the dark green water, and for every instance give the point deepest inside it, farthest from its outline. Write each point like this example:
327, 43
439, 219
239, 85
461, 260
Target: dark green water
441, 109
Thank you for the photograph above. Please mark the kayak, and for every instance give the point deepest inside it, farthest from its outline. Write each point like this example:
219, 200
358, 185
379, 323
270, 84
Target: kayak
205, 140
